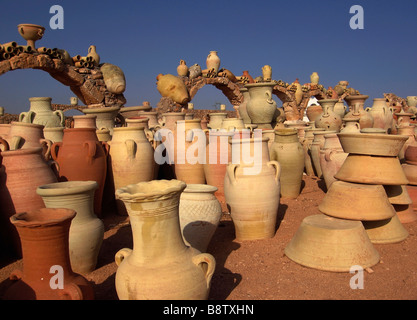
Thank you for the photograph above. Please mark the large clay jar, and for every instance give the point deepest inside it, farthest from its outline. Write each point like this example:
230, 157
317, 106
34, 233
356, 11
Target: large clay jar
81, 157
44, 235
105, 116
356, 109
114, 78
172, 87
381, 114
54, 134
340, 109
261, 107
288, 151
216, 120
21, 173
132, 159
87, 230
200, 214
254, 214
85, 121
189, 151
328, 120
218, 156
169, 119
213, 61
160, 266
41, 112
307, 143
314, 111
316, 145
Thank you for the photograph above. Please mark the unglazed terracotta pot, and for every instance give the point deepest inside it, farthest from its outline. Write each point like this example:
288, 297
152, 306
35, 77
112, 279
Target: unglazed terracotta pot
314, 111
328, 120
386, 231
172, 87
216, 120
153, 118
31, 33
288, 151
411, 141
410, 171
44, 235
412, 101
132, 159
160, 266
401, 201
41, 112
261, 107
340, 109
331, 244
232, 124
113, 77
350, 125
307, 143
404, 118
200, 214
182, 69
267, 73
213, 61
105, 117
316, 145
366, 202
92, 52
22, 172
356, 110
81, 157
381, 114
169, 119
103, 134
87, 231
129, 112
254, 214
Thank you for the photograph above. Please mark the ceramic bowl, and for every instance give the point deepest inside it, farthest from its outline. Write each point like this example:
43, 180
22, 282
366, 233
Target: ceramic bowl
387, 145
405, 213
410, 172
356, 201
331, 244
398, 194
386, 231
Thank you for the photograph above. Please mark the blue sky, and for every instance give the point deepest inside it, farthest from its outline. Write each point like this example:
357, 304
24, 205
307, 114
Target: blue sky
146, 38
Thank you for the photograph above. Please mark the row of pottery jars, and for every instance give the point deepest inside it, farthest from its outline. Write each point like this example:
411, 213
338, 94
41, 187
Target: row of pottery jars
254, 214
160, 265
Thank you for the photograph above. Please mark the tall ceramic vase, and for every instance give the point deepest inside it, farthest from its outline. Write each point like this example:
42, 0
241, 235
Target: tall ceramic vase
41, 112
288, 151
47, 273
81, 157
160, 266
87, 231
261, 107
106, 116
252, 190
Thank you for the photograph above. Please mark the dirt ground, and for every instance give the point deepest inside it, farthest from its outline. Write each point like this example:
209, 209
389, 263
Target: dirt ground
259, 270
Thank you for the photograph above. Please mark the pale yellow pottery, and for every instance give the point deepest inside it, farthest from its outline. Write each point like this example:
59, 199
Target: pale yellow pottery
386, 231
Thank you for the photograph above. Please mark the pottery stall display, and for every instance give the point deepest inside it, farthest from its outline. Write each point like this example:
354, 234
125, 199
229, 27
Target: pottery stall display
252, 189
105, 116
328, 120
87, 230
200, 214
160, 266
44, 236
41, 112
261, 107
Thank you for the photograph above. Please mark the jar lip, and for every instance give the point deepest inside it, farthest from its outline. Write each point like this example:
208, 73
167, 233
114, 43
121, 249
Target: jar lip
42, 217
66, 187
198, 188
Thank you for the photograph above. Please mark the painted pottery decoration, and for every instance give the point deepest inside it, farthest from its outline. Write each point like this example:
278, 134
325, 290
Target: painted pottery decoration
261, 107
146, 272
41, 112
172, 87
114, 78
247, 77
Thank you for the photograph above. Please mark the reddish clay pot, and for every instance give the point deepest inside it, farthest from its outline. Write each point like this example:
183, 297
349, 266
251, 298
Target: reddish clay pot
44, 234
22, 172
82, 157
313, 112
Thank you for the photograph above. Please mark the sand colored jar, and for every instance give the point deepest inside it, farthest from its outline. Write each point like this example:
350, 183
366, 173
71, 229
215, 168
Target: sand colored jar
213, 61
41, 112
316, 145
87, 230
44, 235
54, 134
216, 120
411, 141
254, 214
169, 119
261, 107
288, 151
173, 87
381, 114
356, 110
200, 214
153, 118
85, 121
105, 116
160, 266
328, 120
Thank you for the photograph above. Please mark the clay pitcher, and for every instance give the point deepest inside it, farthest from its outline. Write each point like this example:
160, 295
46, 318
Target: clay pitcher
44, 235
147, 272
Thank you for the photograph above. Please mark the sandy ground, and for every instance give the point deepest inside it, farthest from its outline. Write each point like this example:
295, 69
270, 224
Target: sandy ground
259, 270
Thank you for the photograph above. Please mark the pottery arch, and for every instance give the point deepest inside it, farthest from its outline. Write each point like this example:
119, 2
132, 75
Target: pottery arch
87, 84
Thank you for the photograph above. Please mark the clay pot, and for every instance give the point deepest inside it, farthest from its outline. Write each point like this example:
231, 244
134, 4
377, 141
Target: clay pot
411, 141
386, 231
340, 108
31, 33
44, 235
307, 143
41, 112
153, 118
313, 112
194, 71
114, 78
129, 112
81, 157
328, 120
404, 118
87, 231
288, 151
231, 124
410, 171
254, 214
200, 214
103, 134
54, 134
182, 69
350, 125
314, 78
356, 110
367, 202
213, 61
92, 52
267, 73
169, 120
403, 204
132, 159
261, 107
147, 271
85, 121
22, 172
331, 244
216, 120
381, 114
246, 75
172, 87
410, 155
105, 116
316, 145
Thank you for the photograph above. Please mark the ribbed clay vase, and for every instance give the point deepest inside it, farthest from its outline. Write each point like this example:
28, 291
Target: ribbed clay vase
106, 116
21, 173
328, 120
41, 112
252, 189
200, 214
261, 107
87, 231
288, 151
47, 273
160, 266
132, 159
81, 157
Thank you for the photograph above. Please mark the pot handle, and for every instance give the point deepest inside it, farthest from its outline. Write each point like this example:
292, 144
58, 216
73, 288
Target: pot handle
130, 148
367, 109
208, 259
16, 275
231, 172
277, 166
92, 148
48, 144
328, 154
54, 149
15, 142
121, 255
106, 147
60, 114
269, 97
5, 144
26, 116
71, 291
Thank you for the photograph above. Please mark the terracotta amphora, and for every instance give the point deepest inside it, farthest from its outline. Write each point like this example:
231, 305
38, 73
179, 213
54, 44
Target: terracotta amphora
261, 107
41, 112
47, 273
160, 266
21, 173
200, 214
87, 230
81, 157
288, 151
254, 214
